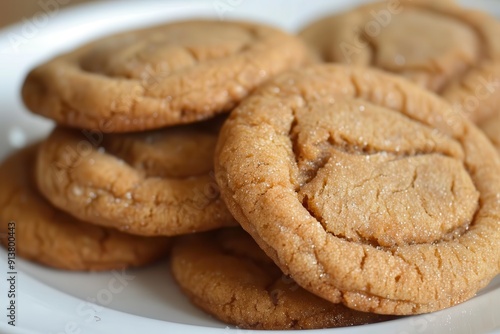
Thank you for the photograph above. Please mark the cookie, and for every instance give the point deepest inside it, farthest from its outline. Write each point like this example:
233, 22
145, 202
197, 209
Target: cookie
226, 274
491, 128
450, 50
151, 183
365, 188
49, 236
171, 74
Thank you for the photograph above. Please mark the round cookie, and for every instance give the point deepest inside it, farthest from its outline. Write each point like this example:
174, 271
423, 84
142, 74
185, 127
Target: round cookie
171, 74
363, 187
151, 183
46, 235
450, 50
226, 274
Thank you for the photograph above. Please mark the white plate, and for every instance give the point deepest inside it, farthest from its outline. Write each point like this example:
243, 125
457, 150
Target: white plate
50, 301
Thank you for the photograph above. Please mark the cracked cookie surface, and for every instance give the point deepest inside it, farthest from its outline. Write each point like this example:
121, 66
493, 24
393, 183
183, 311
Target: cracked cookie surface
363, 187
491, 128
440, 46
150, 183
226, 274
172, 74
49, 236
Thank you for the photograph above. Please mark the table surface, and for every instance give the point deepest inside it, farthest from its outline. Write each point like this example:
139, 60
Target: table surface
18, 10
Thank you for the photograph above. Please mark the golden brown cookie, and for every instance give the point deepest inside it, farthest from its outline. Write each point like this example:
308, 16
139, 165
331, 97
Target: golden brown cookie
226, 274
366, 189
165, 75
46, 235
150, 183
491, 127
437, 44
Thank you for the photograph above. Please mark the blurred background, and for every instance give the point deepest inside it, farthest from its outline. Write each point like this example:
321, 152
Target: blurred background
17, 10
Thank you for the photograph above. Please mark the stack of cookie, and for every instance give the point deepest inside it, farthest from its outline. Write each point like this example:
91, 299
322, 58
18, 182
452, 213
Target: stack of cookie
129, 164
378, 197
